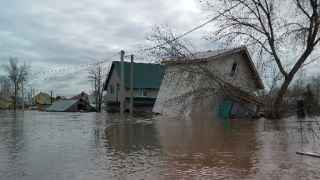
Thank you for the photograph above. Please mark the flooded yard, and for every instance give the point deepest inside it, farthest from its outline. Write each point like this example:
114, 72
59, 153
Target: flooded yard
82, 146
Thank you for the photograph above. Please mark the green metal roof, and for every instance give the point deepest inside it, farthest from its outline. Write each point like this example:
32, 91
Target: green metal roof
146, 75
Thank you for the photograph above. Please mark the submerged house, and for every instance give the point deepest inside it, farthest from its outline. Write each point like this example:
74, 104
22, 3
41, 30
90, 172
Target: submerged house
78, 103
211, 83
147, 79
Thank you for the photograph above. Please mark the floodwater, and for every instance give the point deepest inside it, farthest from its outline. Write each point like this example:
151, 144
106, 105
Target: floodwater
90, 146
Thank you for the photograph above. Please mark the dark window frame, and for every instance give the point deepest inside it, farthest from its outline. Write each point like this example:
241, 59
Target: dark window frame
111, 89
234, 69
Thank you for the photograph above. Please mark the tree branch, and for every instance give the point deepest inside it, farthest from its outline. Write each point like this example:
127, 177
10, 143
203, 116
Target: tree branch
299, 5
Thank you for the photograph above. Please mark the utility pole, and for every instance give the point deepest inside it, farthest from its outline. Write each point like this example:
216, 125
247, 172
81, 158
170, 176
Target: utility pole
122, 98
51, 97
131, 85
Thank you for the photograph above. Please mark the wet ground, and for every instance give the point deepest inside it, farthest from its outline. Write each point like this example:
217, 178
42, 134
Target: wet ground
82, 146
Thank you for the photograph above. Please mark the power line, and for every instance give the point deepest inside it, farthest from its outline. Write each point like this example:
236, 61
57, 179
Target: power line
61, 70
156, 46
192, 30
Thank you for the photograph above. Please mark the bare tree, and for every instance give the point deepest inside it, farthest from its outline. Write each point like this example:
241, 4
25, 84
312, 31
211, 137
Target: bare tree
96, 77
274, 27
274, 79
5, 87
17, 75
168, 47
316, 86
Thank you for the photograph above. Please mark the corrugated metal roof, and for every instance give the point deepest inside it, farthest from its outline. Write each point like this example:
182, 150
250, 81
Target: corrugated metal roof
61, 105
146, 75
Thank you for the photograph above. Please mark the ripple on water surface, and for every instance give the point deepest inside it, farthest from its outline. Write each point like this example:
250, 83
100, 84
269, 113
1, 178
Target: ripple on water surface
41, 145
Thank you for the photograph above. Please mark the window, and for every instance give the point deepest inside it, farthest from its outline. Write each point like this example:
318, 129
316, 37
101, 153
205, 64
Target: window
111, 89
234, 69
142, 92
118, 93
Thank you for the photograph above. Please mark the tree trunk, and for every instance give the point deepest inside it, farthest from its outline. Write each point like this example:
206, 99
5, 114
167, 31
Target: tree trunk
276, 109
15, 97
278, 102
100, 101
22, 93
96, 92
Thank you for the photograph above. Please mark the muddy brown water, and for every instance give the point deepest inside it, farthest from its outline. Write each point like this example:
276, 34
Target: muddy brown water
83, 146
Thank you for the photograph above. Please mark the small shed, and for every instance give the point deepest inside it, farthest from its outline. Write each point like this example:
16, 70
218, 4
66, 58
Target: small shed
42, 99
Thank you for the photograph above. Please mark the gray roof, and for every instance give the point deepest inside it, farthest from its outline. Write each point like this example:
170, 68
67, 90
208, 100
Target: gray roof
61, 105
213, 53
204, 55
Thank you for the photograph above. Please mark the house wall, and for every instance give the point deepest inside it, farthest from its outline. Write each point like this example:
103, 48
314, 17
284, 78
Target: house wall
115, 96
243, 77
184, 90
113, 81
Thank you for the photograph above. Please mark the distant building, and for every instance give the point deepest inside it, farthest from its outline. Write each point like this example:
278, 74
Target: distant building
188, 85
147, 79
6, 103
42, 99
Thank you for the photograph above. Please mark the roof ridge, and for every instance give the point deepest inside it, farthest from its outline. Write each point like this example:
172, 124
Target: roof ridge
224, 50
207, 53
137, 62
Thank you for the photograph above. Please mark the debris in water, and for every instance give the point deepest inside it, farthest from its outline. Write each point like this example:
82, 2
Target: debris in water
309, 154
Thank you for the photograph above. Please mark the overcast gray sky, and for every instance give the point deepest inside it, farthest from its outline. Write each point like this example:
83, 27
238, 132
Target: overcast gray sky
62, 34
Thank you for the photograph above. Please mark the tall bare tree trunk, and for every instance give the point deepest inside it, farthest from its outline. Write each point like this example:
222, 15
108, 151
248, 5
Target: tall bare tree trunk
22, 94
277, 105
15, 96
276, 111
95, 75
96, 92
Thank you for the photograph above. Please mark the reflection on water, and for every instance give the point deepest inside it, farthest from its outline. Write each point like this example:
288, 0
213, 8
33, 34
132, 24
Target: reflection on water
36, 145
203, 148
